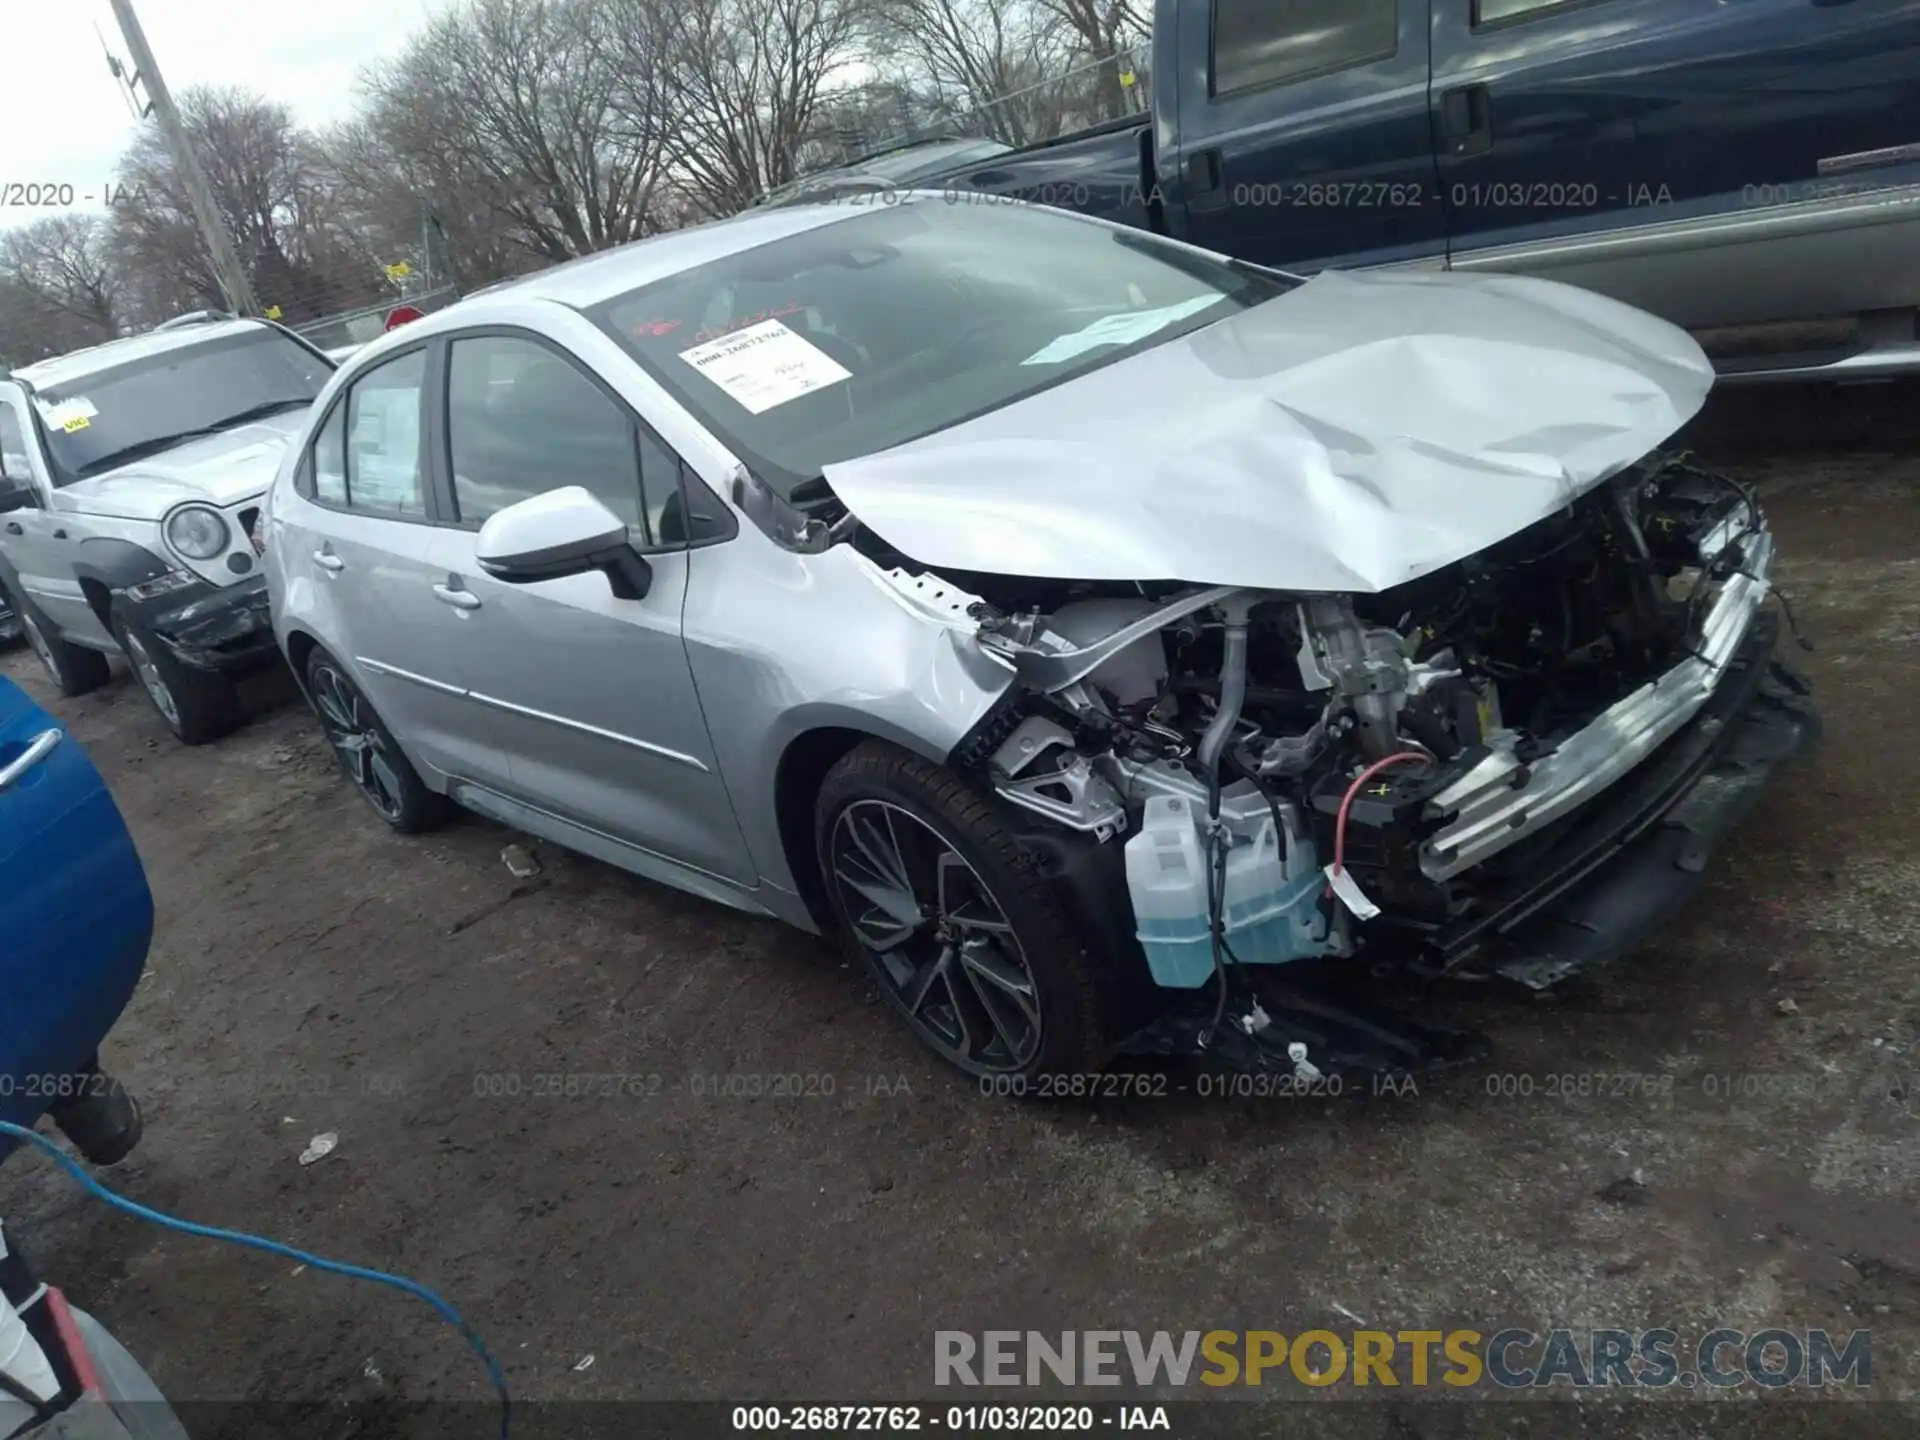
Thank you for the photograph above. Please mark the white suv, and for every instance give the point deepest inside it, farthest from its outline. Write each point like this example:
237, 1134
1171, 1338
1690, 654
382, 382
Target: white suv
131, 477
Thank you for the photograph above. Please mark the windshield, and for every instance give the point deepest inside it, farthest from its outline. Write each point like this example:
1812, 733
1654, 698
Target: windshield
906, 319
95, 422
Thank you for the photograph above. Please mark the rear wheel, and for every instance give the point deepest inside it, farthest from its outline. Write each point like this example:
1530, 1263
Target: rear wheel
198, 705
75, 669
370, 756
963, 935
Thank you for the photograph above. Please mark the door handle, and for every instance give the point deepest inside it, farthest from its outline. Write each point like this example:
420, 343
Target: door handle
37, 750
59, 534
1466, 124
327, 560
459, 599
1206, 179
13, 528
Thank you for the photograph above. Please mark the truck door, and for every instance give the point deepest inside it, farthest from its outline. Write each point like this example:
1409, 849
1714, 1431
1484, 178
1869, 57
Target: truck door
1304, 137
1697, 158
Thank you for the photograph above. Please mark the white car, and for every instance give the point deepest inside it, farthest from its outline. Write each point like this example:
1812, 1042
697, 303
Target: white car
130, 481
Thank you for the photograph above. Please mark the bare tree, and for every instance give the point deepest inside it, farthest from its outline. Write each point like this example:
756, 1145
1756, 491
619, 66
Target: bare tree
274, 194
1106, 31
526, 102
62, 264
408, 202
744, 80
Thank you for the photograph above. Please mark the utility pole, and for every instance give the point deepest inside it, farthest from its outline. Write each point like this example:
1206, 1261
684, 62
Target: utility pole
226, 264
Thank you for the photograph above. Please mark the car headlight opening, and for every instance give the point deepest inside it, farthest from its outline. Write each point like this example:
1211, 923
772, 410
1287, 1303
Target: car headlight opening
197, 532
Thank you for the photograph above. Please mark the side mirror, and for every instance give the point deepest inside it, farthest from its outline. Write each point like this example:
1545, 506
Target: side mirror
563, 532
16, 495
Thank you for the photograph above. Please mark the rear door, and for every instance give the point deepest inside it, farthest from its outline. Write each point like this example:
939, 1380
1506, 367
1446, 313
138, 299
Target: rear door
75, 912
593, 694
362, 542
1674, 132
1304, 132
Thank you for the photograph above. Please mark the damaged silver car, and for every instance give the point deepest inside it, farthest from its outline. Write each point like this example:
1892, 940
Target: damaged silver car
1103, 635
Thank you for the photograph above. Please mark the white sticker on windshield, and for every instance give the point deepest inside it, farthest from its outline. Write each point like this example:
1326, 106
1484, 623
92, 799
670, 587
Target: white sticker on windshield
1117, 330
765, 365
69, 415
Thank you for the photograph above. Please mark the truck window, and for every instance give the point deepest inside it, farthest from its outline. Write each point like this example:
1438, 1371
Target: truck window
1489, 12
1271, 42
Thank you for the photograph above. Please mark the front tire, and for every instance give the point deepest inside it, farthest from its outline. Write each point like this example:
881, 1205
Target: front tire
199, 706
368, 753
73, 668
964, 936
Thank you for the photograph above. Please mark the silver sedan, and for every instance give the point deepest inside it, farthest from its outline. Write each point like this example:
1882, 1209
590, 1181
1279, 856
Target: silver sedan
1087, 627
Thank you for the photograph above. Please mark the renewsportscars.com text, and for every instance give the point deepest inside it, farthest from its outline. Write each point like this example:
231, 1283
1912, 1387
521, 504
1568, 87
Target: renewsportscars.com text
1512, 1358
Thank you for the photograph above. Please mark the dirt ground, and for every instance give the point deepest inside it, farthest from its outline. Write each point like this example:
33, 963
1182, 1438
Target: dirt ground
313, 972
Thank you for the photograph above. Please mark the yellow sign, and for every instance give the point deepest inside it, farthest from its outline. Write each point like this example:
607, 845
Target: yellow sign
273, 312
77, 422
399, 270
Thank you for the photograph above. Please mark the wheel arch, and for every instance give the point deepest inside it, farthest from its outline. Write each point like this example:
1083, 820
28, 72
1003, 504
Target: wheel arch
298, 645
802, 770
105, 564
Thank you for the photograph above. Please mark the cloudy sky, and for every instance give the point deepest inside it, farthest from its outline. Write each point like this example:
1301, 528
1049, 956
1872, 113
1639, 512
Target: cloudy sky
63, 120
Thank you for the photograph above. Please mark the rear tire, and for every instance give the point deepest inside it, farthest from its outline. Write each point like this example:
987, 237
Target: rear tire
198, 705
73, 668
369, 755
967, 940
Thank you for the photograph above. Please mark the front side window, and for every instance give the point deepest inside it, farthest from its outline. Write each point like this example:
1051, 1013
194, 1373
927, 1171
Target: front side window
1270, 42
99, 422
14, 461
907, 318
382, 439
521, 421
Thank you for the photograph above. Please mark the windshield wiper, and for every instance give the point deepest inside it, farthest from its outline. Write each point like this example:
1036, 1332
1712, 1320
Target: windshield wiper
143, 448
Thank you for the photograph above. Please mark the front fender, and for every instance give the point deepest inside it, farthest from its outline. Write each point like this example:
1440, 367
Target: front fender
783, 644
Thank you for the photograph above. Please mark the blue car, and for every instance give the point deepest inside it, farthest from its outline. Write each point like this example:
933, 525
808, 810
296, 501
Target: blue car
76, 918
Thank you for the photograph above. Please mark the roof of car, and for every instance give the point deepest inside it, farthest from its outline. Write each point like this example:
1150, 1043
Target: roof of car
63, 369
594, 278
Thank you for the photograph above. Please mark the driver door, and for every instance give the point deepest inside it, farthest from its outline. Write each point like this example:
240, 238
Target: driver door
594, 694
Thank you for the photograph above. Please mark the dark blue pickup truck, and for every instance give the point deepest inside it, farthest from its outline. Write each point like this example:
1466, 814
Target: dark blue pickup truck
1750, 167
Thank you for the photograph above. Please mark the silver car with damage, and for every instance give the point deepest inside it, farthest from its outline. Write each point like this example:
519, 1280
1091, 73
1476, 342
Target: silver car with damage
1104, 636
130, 481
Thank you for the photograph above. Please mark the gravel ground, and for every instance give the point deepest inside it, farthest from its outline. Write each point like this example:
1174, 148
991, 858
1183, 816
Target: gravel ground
312, 972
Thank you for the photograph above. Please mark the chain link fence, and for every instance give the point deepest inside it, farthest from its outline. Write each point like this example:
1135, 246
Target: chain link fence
865, 120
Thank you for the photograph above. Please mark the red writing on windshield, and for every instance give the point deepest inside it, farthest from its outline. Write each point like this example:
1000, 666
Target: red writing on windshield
792, 307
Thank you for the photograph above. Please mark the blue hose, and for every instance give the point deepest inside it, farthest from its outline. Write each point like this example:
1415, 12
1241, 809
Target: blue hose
274, 1247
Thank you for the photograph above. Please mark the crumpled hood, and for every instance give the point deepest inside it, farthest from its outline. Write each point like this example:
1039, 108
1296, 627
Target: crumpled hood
1353, 434
221, 469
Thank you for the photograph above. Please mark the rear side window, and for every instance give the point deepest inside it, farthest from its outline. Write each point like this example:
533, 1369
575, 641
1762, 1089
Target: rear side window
383, 438
367, 453
330, 459
1270, 42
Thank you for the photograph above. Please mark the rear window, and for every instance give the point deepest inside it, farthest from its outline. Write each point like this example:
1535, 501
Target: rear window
907, 318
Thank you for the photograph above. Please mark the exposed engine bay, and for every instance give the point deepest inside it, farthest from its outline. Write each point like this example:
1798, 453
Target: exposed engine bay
1297, 775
